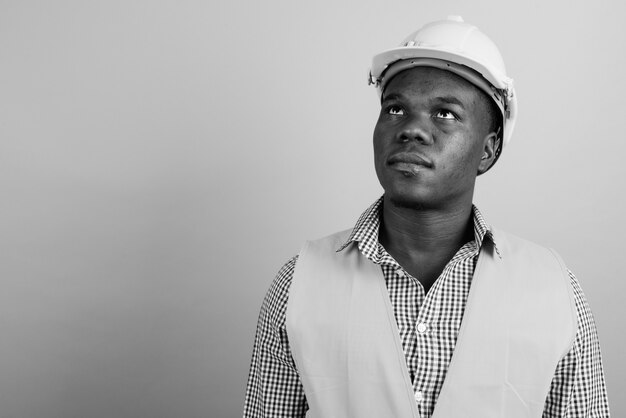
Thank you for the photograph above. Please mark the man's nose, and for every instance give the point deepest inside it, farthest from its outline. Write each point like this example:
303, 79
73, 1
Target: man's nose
415, 129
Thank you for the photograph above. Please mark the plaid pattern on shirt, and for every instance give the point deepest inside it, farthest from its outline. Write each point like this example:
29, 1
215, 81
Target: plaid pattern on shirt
428, 325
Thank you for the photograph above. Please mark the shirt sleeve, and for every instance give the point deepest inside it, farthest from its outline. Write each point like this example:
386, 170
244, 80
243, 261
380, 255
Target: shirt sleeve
274, 388
578, 388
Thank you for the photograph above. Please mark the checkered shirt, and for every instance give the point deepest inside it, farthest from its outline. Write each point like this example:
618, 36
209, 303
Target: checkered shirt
428, 325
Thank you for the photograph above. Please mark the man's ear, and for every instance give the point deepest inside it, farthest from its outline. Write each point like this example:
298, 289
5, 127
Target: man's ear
492, 142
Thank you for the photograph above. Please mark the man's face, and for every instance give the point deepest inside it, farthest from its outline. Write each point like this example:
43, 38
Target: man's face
432, 138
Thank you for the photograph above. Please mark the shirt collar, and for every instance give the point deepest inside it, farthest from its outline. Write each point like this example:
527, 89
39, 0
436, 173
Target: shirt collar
365, 232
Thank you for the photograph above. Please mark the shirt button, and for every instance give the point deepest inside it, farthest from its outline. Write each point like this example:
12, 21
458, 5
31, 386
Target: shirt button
419, 396
400, 273
421, 327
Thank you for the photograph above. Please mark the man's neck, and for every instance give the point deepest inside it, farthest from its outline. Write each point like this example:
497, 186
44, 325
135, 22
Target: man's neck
424, 240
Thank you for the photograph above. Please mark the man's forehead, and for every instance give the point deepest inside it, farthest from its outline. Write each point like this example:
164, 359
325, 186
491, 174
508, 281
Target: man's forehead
443, 85
444, 98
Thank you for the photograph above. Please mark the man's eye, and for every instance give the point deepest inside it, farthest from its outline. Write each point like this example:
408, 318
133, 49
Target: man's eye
445, 114
395, 110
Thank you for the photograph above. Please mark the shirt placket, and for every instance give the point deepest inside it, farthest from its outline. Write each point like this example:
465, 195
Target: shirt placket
434, 345
423, 352
419, 315
412, 328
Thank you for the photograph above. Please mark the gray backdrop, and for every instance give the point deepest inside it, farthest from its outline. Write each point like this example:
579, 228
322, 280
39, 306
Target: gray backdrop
160, 160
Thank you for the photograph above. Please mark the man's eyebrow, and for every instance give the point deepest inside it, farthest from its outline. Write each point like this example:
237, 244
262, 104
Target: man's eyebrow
392, 96
449, 100
438, 99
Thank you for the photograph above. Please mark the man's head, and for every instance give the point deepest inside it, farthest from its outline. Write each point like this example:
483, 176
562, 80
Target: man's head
458, 47
433, 137
447, 109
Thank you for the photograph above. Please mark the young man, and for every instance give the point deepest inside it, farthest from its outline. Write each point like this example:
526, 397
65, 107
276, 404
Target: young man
422, 309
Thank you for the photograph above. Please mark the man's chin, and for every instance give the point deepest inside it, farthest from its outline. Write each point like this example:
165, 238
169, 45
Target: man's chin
410, 202
410, 194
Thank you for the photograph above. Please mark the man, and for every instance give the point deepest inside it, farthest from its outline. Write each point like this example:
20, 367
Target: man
422, 309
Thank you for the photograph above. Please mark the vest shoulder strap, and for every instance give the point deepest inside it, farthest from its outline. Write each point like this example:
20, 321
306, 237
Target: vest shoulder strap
343, 335
519, 322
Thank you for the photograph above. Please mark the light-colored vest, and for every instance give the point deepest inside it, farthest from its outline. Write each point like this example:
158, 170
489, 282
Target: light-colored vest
519, 321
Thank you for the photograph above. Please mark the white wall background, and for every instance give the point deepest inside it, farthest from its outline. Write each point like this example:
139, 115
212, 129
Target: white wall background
160, 160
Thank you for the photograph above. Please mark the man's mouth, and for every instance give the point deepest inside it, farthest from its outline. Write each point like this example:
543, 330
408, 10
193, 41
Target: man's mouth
409, 163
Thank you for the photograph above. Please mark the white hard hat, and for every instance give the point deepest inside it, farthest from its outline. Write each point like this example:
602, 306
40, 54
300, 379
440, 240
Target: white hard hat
455, 46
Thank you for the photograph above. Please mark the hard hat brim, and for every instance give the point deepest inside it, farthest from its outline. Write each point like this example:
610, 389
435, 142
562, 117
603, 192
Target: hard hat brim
385, 59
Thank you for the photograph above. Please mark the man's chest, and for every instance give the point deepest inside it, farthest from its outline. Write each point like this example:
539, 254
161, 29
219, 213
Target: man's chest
428, 323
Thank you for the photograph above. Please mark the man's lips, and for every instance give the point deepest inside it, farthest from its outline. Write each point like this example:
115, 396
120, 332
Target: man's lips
408, 159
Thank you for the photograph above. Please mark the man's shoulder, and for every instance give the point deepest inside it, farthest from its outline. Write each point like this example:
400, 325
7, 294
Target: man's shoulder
521, 251
283, 278
275, 301
336, 239
506, 242
279, 288
285, 274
